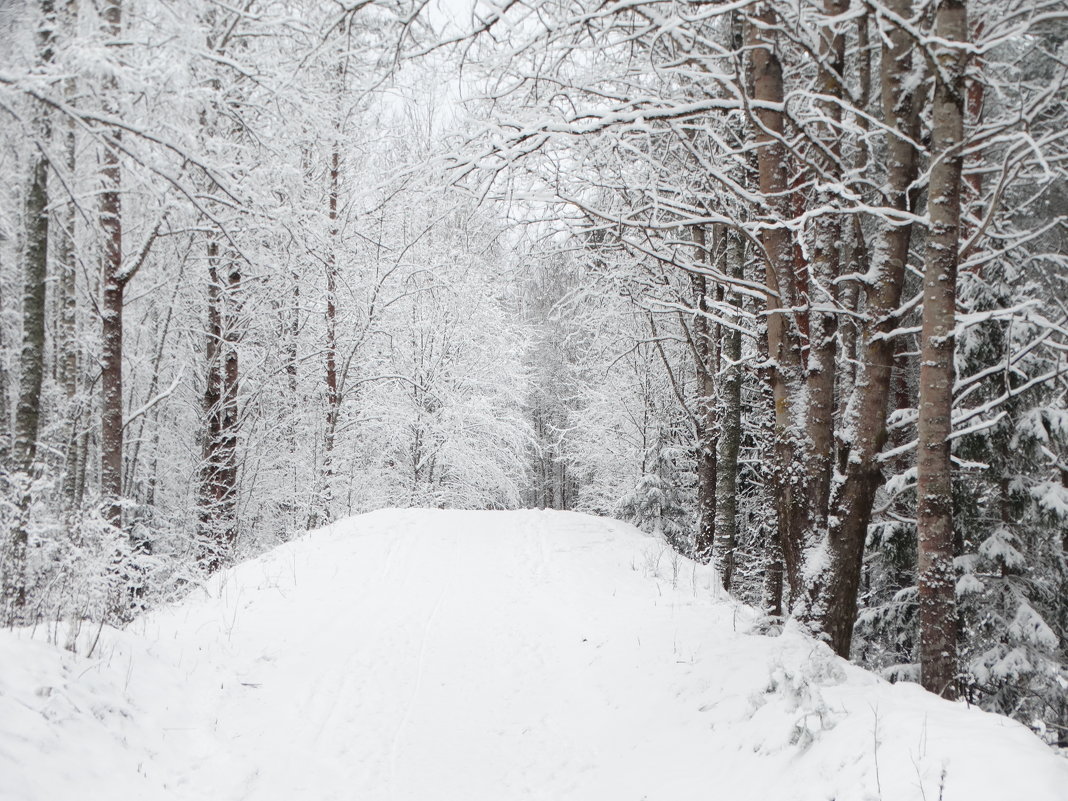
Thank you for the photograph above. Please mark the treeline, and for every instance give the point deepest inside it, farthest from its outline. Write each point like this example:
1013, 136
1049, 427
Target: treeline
835, 233
233, 306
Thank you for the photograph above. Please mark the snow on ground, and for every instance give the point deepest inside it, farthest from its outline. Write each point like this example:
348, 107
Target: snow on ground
482, 656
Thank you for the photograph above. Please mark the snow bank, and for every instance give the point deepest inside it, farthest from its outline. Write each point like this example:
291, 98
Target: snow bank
430, 655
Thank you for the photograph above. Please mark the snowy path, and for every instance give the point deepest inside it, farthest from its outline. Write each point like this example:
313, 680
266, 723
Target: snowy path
497, 658
424, 656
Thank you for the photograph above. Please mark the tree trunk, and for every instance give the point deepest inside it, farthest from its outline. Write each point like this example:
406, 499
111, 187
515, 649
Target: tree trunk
730, 430
324, 502
823, 522
35, 276
779, 276
66, 366
32, 353
210, 490
865, 417
705, 362
231, 402
934, 501
820, 560
111, 412
5, 406
32, 356
217, 529
31, 368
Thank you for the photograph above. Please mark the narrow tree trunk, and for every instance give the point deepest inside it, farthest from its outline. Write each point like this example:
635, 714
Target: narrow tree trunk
934, 513
816, 450
35, 276
1063, 610
782, 336
209, 554
32, 353
291, 337
217, 529
67, 346
32, 356
817, 561
854, 248
333, 396
774, 593
730, 430
5, 405
705, 364
231, 391
31, 369
560, 500
111, 412
773, 590
66, 330
81, 462
66, 367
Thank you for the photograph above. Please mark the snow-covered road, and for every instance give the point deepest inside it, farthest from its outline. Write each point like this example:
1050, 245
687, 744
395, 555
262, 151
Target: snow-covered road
457, 655
431, 656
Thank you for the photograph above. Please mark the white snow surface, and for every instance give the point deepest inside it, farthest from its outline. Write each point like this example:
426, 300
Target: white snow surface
437, 655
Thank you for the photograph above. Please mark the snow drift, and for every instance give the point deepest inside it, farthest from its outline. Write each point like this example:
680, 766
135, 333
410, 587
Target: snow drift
429, 655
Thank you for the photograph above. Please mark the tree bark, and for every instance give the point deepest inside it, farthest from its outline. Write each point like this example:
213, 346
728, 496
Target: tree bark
35, 275
111, 412
813, 561
32, 355
5, 406
66, 363
705, 362
218, 525
217, 529
210, 489
324, 502
231, 402
828, 471
730, 429
783, 339
934, 501
865, 419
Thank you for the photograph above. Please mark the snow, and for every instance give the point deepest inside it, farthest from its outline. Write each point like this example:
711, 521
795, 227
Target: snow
481, 655
1028, 626
999, 548
1053, 497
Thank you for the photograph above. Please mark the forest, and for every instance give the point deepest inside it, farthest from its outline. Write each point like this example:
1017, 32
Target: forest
784, 283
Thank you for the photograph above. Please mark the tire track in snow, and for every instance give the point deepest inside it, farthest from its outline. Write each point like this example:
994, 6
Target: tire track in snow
420, 669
